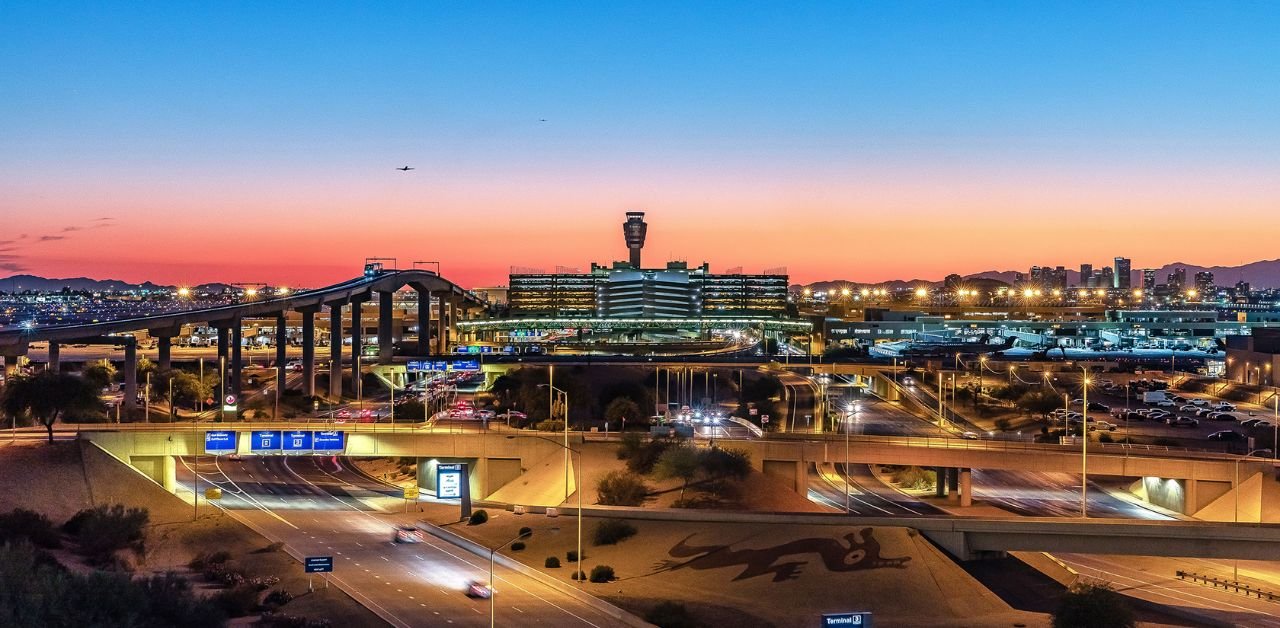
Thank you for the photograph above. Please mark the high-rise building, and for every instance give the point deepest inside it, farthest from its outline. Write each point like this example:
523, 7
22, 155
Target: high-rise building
1148, 279
1086, 275
1205, 285
1106, 279
1177, 279
1124, 273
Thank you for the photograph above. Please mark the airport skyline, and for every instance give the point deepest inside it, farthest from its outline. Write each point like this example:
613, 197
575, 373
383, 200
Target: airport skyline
199, 146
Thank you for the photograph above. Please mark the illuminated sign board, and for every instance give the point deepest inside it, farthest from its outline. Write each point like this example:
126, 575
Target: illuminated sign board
329, 441
846, 620
297, 441
263, 441
219, 442
449, 481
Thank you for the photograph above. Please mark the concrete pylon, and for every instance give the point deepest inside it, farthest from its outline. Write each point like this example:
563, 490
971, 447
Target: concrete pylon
386, 346
282, 342
54, 356
237, 357
424, 322
309, 353
940, 482
130, 369
442, 336
966, 488
953, 485
165, 359
357, 343
335, 350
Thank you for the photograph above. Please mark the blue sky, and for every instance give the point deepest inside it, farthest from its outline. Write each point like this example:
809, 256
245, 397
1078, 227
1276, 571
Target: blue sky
689, 109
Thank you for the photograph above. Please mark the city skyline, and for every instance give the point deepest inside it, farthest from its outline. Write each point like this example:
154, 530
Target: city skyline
199, 146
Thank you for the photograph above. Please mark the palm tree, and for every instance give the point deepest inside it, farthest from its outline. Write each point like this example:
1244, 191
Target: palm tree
47, 396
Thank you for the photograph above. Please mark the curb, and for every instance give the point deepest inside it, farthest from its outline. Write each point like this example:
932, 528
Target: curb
622, 616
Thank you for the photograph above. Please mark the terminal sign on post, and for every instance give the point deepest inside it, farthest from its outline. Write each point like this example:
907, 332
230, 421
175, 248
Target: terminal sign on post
847, 620
451, 483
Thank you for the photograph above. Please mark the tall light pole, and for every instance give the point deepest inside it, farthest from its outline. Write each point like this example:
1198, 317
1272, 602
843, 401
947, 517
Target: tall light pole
1084, 446
492, 551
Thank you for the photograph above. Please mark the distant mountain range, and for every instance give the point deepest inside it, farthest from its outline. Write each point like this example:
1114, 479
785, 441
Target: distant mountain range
21, 283
1263, 274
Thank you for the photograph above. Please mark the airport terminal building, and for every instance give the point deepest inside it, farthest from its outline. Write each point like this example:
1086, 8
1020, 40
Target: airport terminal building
626, 298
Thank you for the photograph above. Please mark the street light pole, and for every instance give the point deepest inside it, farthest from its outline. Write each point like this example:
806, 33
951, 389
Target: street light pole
1084, 446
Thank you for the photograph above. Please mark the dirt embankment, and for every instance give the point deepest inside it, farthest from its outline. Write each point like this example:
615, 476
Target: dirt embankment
61, 479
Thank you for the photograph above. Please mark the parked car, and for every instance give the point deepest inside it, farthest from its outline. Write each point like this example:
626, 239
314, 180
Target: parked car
1251, 423
1164, 404
1188, 408
1200, 402
1223, 405
1093, 405
1182, 421
1105, 426
1226, 435
1203, 412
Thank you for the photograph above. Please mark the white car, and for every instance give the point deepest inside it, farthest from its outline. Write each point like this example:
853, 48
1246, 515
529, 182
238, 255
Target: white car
1200, 402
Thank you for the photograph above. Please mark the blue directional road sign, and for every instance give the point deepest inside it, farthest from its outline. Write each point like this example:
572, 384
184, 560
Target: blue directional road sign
218, 442
329, 442
298, 441
318, 564
847, 620
449, 481
265, 441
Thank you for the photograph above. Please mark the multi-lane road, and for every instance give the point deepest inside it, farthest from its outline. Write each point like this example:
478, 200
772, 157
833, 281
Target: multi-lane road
322, 506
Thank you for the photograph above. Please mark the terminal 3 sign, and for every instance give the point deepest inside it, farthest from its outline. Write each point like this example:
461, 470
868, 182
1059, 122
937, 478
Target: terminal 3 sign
419, 366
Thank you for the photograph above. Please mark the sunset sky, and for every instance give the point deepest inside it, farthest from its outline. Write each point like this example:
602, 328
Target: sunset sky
185, 142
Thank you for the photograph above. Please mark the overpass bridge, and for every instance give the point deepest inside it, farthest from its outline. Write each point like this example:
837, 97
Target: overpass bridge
1184, 481
376, 284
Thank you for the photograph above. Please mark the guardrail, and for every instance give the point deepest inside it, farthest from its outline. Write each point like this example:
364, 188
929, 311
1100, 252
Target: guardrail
1228, 585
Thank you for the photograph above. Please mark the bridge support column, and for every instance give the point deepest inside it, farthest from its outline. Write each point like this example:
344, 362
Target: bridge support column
357, 343
282, 341
10, 366
940, 482
1191, 497
335, 350
966, 487
54, 359
237, 359
424, 322
441, 342
130, 376
165, 359
223, 351
308, 353
386, 346
451, 330
953, 485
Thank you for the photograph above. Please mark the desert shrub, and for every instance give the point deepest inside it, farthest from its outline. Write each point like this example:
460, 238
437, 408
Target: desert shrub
671, 615
277, 598
612, 531
551, 562
237, 601
602, 573
517, 546
723, 463
916, 478
273, 547
579, 575
1093, 606
525, 532
549, 426
478, 517
572, 556
31, 525
619, 488
100, 532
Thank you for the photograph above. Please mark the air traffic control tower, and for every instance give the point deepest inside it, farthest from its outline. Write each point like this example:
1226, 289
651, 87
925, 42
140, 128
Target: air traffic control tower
634, 230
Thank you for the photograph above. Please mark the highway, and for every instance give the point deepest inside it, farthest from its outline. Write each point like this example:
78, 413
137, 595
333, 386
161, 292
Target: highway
867, 496
320, 506
1036, 494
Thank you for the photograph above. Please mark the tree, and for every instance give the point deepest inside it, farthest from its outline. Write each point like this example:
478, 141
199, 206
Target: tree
46, 396
621, 409
1039, 402
1093, 606
188, 390
678, 462
719, 463
100, 373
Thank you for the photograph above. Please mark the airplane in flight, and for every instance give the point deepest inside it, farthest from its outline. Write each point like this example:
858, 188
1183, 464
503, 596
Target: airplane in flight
405, 168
